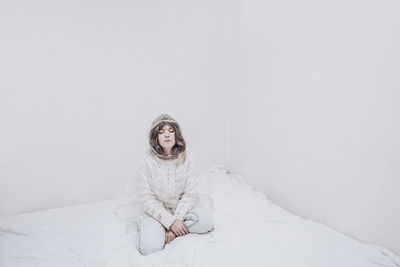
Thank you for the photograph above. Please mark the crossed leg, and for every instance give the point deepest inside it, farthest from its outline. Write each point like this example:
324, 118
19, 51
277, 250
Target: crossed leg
151, 233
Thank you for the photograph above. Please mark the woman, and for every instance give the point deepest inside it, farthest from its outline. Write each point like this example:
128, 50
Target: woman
172, 205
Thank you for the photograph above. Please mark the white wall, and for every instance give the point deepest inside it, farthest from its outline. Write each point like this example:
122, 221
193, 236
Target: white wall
314, 116
81, 82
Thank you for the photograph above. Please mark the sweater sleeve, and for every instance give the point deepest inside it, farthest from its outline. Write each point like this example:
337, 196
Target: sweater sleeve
151, 205
189, 195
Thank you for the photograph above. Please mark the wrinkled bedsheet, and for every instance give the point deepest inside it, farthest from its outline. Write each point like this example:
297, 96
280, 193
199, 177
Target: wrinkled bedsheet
250, 230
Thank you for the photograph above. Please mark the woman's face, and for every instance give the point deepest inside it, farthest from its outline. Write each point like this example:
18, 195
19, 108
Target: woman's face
166, 137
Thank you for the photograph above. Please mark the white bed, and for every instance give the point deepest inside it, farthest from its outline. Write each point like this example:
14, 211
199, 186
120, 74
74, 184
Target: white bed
249, 231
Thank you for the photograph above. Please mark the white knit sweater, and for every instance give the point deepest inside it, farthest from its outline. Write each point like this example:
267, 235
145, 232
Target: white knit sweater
168, 188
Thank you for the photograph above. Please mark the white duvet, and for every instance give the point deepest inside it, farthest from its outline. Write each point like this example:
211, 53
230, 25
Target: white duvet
249, 231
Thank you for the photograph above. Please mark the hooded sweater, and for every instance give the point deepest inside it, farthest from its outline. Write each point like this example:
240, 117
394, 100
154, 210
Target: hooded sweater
168, 187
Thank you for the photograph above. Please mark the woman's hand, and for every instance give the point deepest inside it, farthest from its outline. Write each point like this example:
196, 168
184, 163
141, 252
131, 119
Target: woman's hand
179, 228
169, 236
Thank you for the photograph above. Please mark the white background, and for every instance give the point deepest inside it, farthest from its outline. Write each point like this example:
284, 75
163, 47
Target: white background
301, 98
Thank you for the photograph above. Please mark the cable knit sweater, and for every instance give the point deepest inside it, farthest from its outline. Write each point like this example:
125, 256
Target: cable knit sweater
168, 187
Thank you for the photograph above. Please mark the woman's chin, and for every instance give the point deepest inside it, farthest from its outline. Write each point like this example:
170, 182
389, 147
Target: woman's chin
168, 145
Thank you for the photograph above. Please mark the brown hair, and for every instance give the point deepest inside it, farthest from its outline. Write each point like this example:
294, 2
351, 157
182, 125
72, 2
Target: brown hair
157, 125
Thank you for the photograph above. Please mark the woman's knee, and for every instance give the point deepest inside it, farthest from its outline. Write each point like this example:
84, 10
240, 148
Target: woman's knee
207, 221
204, 224
149, 247
151, 235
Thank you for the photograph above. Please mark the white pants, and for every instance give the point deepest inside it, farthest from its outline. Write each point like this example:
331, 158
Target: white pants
151, 233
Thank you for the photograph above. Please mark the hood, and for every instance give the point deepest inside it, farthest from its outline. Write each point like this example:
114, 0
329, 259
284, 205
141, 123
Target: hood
157, 154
